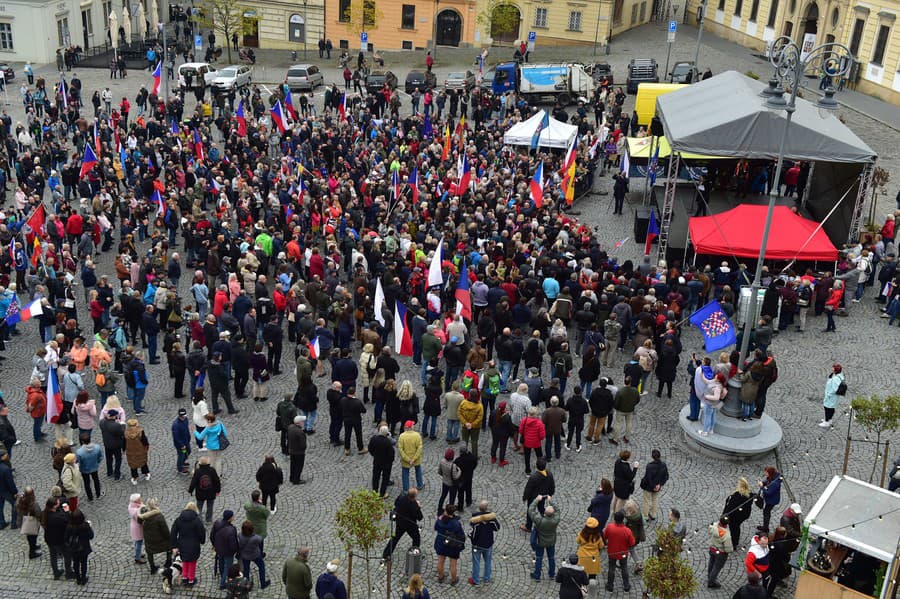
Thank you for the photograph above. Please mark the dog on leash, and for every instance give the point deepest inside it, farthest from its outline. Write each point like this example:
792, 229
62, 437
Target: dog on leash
171, 574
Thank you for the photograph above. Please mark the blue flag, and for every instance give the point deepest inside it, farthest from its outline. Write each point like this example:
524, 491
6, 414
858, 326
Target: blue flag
544, 124
718, 332
654, 164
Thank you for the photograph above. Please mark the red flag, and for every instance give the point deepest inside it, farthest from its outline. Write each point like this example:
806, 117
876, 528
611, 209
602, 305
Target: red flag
35, 223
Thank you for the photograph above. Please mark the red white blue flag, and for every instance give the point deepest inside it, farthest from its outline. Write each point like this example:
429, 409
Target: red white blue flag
402, 338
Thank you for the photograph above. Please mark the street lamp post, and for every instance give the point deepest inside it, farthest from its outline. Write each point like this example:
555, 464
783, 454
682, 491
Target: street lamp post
790, 66
305, 30
702, 19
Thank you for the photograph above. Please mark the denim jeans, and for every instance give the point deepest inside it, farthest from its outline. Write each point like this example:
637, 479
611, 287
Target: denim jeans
539, 557
505, 369
138, 549
38, 423
422, 372
453, 373
426, 431
419, 481
477, 556
709, 418
694, 403
311, 417
139, 399
151, 347
452, 430
14, 517
260, 563
182, 458
224, 563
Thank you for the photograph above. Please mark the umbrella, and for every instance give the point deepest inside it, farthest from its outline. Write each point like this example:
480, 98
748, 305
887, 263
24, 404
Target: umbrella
126, 24
142, 20
154, 17
113, 29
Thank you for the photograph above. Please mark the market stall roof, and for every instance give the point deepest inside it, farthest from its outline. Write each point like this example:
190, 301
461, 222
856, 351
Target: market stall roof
859, 516
738, 232
639, 147
725, 116
557, 135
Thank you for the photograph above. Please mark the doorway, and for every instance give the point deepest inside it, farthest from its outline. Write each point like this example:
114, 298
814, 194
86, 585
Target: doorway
449, 28
505, 21
811, 20
250, 29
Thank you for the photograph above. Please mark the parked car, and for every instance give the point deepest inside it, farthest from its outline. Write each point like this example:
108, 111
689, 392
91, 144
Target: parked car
376, 80
420, 79
460, 80
304, 77
641, 70
8, 73
233, 77
195, 71
603, 70
684, 72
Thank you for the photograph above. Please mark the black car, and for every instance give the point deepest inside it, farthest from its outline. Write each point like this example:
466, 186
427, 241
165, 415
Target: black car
376, 80
421, 79
8, 72
603, 71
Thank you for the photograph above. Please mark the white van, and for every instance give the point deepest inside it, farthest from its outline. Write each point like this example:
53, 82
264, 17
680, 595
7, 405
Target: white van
193, 71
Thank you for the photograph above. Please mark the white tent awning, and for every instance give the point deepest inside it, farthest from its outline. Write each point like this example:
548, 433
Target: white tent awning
557, 135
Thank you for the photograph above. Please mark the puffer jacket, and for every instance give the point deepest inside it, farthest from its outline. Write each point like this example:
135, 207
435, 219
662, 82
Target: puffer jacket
532, 431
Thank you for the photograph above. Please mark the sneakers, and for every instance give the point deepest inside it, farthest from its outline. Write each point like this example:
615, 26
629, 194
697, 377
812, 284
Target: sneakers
274, 509
363, 451
825, 424
578, 449
503, 463
147, 476
134, 481
346, 452
855, 301
568, 448
493, 460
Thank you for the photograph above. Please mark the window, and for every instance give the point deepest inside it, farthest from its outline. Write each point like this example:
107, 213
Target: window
835, 16
721, 4
618, 8
634, 9
884, 32
408, 17
856, 38
540, 17
368, 13
754, 10
6, 40
297, 29
575, 20
62, 31
107, 10
344, 11
407, 44
738, 6
87, 22
773, 14
643, 11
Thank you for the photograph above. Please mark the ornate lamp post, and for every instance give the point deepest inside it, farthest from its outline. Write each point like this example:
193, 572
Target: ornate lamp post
790, 62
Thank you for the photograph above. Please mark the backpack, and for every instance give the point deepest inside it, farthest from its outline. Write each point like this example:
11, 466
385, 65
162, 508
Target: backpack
468, 380
493, 384
73, 542
774, 374
646, 363
842, 389
560, 365
100, 379
204, 483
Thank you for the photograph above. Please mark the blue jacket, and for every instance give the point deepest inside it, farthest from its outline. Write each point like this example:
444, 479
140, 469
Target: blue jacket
772, 491
7, 483
181, 433
89, 458
329, 583
212, 435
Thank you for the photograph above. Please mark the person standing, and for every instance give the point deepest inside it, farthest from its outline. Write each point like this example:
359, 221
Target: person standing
577, 407
206, 486
258, 515
627, 399
352, 410
656, 474
135, 529
70, 480
543, 535
720, 546
770, 490
89, 457
113, 433
409, 446
407, 514
181, 438
619, 541
55, 520
466, 461
36, 406
30, 517
296, 575
572, 579
297, 449
452, 400
623, 479
601, 402
285, 412
471, 415
738, 508
250, 550
449, 541
553, 418
212, 436
484, 526
329, 584
757, 560
137, 448
532, 432
156, 533
224, 539
835, 388
269, 477
450, 474
381, 448
78, 542
187, 536
590, 543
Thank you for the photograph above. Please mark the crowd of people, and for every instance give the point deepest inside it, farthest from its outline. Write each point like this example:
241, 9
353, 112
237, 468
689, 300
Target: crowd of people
224, 235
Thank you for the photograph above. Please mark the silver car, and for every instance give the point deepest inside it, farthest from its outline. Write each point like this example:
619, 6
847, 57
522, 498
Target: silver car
460, 80
304, 77
232, 77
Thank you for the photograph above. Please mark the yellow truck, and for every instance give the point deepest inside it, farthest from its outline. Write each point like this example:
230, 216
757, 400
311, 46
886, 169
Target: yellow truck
645, 101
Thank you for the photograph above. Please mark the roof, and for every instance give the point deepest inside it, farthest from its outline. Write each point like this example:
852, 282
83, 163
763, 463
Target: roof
556, 135
725, 116
858, 515
739, 232
639, 147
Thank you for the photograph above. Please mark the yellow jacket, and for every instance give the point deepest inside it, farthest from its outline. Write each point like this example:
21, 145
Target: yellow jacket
589, 554
409, 445
471, 413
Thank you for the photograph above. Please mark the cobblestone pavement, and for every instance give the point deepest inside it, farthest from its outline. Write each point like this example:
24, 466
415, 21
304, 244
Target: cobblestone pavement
808, 456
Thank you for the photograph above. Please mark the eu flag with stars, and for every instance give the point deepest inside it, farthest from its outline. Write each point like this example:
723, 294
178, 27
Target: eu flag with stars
717, 329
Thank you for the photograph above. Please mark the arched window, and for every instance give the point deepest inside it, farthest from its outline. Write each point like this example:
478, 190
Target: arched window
297, 29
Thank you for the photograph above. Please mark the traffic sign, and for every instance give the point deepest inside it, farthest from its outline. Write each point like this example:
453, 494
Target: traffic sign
364, 37
532, 36
670, 37
198, 42
673, 26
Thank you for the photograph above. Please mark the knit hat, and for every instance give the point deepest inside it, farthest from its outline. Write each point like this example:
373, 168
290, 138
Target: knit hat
70, 458
409, 424
227, 515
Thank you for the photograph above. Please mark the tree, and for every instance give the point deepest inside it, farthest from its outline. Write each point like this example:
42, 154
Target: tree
224, 17
880, 178
358, 524
498, 18
877, 416
361, 15
667, 575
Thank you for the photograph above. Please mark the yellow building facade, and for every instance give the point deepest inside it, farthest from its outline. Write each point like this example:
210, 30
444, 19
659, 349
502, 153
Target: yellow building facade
282, 25
866, 27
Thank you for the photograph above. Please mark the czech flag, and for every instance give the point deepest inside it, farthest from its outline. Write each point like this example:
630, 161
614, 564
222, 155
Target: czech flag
463, 297
342, 107
402, 339
161, 210
54, 398
88, 161
537, 186
241, 119
435, 272
157, 78
175, 129
278, 116
12, 249
14, 315
289, 104
413, 182
198, 146
446, 153
652, 233
465, 176
314, 348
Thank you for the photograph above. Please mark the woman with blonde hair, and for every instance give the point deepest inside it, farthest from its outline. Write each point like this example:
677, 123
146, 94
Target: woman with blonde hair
367, 369
113, 403
188, 534
738, 507
416, 588
408, 403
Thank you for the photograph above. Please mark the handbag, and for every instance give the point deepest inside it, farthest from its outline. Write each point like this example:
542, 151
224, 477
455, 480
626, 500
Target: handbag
584, 591
224, 443
759, 500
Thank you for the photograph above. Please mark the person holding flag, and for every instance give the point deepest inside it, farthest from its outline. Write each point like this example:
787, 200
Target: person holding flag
537, 186
88, 161
652, 232
241, 119
278, 116
157, 78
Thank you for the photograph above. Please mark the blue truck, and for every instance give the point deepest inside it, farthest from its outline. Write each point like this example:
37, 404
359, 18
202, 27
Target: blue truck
544, 83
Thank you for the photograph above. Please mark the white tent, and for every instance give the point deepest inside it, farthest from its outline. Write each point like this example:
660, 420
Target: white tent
557, 135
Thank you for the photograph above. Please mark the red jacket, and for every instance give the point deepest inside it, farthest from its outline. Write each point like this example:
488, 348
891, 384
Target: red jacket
219, 302
532, 431
834, 300
35, 402
619, 539
279, 299
75, 224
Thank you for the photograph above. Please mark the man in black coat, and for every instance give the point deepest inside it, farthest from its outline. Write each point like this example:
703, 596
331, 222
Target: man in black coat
57, 520
150, 326
406, 515
240, 362
218, 384
224, 539
297, 448
274, 339
345, 369
540, 482
381, 447
113, 433
656, 474
753, 589
352, 410
334, 396
387, 361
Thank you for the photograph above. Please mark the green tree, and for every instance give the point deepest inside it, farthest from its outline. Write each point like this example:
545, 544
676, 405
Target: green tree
667, 575
225, 17
358, 524
362, 15
498, 19
878, 416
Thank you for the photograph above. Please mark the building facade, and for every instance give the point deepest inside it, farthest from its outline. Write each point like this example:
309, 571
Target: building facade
282, 24
868, 28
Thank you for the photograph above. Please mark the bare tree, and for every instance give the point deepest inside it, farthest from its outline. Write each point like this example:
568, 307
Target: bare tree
224, 17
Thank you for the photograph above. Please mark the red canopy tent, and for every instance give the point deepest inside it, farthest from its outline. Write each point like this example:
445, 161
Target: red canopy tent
739, 232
